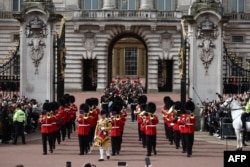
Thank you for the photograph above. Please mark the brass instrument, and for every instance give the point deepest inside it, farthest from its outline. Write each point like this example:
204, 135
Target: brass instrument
85, 115
152, 116
117, 117
192, 115
172, 111
48, 114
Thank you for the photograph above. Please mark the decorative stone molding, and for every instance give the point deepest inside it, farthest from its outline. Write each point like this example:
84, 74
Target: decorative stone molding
37, 52
89, 42
36, 30
166, 43
36, 27
207, 32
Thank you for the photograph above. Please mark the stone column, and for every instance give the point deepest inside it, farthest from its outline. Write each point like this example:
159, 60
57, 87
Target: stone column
206, 54
36, 50
109, 4
146, 4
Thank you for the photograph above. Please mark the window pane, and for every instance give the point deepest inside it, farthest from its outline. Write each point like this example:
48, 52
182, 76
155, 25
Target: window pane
160, 5
130, 61
241, 5
124, 4
132, 4
87, 4
95, 4
168, 5
234, 5
15, 5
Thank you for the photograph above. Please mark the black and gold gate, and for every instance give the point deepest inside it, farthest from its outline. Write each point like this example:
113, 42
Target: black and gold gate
60, 52
236, 73
10, 72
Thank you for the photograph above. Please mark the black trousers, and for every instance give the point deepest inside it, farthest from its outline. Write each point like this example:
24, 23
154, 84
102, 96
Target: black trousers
151, 143
19, 131
189, 141
177, 137
47, 137
133, 116
83, 143
115, 144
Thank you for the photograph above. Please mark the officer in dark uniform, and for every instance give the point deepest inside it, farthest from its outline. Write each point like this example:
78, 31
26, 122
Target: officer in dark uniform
133, 101
19, 120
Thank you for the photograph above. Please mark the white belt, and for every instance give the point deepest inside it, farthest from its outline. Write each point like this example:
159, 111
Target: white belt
46, 125
83, 125
151, 125
189, 123
54, 123
115, 127
106, 103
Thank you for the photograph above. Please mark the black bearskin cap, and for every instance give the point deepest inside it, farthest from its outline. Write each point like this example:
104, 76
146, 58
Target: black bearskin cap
190, 106
177, 105
62, 102
84, 108
166, 99
142, 99
89, 102
72, 99
103, 112
117, 107
46, 106
151, 107
95, 101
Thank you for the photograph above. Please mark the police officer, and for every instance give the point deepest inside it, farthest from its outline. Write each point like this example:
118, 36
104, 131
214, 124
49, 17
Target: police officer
243, 119
19, 120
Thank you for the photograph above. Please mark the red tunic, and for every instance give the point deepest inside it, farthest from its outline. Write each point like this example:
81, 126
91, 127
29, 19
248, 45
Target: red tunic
187, 123
83, 125
46, 123
151, 123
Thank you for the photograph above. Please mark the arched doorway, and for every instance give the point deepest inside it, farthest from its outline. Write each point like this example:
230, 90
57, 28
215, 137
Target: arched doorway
127, 57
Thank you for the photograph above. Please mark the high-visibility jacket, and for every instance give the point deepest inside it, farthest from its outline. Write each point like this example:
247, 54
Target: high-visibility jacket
19, 116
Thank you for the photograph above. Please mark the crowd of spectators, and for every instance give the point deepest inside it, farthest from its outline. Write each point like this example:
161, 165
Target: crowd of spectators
212, 116
8, 105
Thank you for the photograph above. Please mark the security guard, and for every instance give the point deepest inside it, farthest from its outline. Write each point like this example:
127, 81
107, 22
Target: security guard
19, 120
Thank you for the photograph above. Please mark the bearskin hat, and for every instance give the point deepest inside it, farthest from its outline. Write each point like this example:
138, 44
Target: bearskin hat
177, 105
151, 107
72, 99
89, 102
142, 99
84, 108
95, 101
117, 107
62, 102
46, 106
190, 106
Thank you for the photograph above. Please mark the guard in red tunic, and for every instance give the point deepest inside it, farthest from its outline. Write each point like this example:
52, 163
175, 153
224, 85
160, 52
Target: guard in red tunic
187, 122
168, 102
61, 116
83, 131
73, 109
115, 132
45, 121
151, 131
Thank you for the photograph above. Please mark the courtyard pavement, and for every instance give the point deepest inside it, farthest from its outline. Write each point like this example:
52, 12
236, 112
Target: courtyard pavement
207, 151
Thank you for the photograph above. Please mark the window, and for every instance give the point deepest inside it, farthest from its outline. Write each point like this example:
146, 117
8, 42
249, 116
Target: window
238, 6
128, 4
89, 4
237, 39
17, 5
130, 61
164, 5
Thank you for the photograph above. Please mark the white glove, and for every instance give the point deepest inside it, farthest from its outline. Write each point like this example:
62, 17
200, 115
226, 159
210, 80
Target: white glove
102, 128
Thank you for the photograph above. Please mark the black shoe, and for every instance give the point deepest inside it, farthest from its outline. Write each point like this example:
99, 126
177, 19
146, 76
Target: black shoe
183, 151
188, 155
118, 152
108, 157
101, 160
51, 151
81, 154
44, 153
24, 142
148, 155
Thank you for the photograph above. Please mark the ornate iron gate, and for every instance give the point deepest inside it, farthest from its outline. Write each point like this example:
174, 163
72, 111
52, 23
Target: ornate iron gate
236, 73
10, 72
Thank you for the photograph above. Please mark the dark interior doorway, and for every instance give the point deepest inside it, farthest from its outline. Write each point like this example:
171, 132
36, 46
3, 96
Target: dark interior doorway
89, 73
165, 75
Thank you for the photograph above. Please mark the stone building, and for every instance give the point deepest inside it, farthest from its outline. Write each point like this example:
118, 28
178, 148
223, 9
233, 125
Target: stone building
109, 39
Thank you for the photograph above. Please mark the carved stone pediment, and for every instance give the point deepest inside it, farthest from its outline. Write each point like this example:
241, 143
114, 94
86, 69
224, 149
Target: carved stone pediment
89, 42
36, 27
